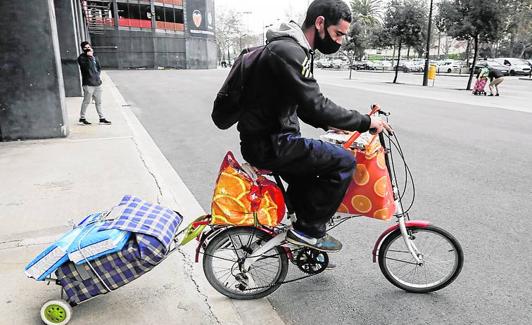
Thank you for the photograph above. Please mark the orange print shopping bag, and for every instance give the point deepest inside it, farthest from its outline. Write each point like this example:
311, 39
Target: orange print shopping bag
370, 192
238, 198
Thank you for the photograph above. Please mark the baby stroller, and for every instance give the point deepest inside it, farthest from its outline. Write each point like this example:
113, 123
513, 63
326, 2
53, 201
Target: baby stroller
480, 84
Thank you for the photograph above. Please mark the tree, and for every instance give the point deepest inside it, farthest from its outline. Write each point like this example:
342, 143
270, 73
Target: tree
368, 12
517, 21
355, 44
472, 20
367, 17
228, 31
404, 21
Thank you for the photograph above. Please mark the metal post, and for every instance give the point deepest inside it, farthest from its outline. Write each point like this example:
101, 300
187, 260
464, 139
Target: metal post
115, 14
427, 58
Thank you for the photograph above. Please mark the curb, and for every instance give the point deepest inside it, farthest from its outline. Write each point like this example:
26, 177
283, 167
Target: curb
174, 193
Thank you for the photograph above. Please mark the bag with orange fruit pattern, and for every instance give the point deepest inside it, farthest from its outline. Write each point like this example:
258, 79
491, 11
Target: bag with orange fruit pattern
370, 192
239, 200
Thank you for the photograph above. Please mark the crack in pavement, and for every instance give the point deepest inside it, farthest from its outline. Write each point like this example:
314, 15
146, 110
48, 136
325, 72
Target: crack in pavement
152, 174
187, 267
17, 243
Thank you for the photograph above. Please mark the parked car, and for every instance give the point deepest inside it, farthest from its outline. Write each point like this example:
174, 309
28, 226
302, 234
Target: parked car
451, 66
338, 63
382, 65
323, 63
410, 66
515, 66
491, 64
363, 65
386, 65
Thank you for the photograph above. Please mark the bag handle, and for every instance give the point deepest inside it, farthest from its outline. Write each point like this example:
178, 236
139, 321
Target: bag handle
356, 134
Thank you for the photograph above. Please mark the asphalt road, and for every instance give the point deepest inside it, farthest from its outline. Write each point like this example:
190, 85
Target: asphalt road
471, 166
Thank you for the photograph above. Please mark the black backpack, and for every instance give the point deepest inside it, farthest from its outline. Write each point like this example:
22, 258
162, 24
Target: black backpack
229, 102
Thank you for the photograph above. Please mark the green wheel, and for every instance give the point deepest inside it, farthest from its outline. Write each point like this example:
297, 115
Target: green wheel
56, 312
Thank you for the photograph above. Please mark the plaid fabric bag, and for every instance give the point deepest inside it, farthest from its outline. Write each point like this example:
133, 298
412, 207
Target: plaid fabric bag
115, 270
153, 228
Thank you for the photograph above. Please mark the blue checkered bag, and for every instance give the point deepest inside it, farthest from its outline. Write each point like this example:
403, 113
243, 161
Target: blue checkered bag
138, 216
153, 228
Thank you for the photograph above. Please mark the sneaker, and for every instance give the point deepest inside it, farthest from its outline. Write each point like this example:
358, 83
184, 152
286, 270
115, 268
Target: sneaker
497, 95
490, 95
104, 121
326, 243
83, 121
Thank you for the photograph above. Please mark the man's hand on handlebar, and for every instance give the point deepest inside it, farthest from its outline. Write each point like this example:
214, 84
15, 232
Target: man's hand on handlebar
377, 125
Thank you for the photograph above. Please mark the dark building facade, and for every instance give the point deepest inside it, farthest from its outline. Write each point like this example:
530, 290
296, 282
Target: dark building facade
155, 34
39, 46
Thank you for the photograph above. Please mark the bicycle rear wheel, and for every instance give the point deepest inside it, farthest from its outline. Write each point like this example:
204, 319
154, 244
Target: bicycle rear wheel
225, 255
440, 252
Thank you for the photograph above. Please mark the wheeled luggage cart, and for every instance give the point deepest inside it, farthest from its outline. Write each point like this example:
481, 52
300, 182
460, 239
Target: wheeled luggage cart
153, 233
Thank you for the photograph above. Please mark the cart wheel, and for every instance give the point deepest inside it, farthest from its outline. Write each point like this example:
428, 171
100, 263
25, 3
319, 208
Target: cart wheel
56, 312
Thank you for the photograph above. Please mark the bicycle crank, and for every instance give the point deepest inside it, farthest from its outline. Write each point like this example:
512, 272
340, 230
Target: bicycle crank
311, 261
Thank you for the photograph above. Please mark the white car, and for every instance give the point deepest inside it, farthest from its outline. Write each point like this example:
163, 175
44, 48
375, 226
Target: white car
451, 66
339, 63
382, 65
410, 66
323, 63
516, 66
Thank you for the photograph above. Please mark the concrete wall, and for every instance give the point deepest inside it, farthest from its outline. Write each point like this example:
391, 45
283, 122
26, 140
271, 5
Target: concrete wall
32, 96
201, 53
69, 46
123, 49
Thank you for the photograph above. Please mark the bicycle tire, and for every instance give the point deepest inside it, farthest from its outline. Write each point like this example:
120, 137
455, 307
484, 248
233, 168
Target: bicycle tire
224, 238
454, 250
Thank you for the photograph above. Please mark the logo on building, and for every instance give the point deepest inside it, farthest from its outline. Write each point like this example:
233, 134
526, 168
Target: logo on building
196, 17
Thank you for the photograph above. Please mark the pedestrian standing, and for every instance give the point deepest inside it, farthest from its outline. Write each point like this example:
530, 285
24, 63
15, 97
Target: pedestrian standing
92, 83
496, 77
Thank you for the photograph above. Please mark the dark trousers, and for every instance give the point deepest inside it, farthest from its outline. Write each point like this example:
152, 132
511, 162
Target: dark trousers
318, 174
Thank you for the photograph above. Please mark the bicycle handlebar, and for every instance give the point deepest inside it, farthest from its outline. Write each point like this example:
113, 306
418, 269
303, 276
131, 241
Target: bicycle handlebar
356, 134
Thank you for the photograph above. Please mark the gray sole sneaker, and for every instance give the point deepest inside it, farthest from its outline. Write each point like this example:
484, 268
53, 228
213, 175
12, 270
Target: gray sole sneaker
326, 243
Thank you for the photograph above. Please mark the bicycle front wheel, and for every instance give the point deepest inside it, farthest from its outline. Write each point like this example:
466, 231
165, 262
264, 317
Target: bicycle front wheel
441, 255
225, 255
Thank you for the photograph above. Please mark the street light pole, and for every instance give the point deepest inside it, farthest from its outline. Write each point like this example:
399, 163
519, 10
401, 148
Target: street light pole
427, 58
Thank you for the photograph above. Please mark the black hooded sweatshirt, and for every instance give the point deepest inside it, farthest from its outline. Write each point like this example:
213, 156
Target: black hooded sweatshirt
282, 88
90, 70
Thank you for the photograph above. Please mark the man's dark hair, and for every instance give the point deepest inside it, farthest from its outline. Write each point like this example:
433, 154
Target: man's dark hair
332, 10
84, 43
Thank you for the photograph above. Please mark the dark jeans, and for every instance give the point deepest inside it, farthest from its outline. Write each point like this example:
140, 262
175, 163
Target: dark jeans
318, 174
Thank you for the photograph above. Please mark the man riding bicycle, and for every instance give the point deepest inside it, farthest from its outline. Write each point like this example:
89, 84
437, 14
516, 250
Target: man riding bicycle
283, 88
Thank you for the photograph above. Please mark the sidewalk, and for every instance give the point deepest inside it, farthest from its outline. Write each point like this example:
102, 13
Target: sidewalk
47, 185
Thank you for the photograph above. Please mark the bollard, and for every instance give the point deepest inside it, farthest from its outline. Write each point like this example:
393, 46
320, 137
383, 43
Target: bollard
432, 73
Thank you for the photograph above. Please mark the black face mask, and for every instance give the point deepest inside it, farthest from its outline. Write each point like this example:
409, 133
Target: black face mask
325, 45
